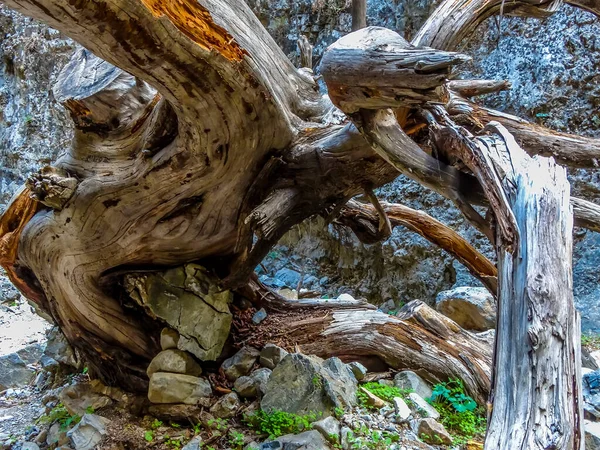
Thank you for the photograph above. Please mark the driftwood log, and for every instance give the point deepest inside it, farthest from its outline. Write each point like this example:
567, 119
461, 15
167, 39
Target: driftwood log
197, 140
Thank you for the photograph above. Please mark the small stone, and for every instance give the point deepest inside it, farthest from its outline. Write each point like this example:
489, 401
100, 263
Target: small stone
433, 432
226, 406
169, 338
271, 355
422, 406
240, 364
194, 444
345, 435
309, 440
78, 398
30, 446
260, 315
329, 428
592, 435
290, 294
401, 408
411, 381
289, 277
384, 382
88, 433
372, 399
56, 435
346, 298
358, 370
174, 361
177, 412
177, 388
253, 385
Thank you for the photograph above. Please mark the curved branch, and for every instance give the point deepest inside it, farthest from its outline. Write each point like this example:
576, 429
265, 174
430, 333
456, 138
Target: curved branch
363, 220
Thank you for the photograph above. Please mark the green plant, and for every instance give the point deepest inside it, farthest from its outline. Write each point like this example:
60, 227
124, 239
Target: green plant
156, 424
173, 442
317, 382
459, 413
278, 423
338, 412
217, 424
236, 439
149, 435
382, 391
590, 340
61, 415
85, 370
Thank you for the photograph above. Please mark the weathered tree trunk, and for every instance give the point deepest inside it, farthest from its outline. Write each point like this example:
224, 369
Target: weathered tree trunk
359, 14
206, 144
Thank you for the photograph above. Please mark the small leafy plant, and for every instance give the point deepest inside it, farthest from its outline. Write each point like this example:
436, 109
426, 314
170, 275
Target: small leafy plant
61, 415
278, 423
459, 413
382, 391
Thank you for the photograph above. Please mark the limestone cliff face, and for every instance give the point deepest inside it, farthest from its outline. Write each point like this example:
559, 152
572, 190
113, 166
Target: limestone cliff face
553, 66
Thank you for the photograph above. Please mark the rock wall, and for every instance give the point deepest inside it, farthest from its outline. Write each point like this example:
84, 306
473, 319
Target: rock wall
553, 66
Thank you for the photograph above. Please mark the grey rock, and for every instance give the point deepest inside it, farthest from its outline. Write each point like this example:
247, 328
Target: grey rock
189, 299
254, 385
303, 384
240, 364
345, 435
30, 446
88, 433
308, 440
169, 338
422, 407
259, 316
177, 412
175, 361
329, 428
410, 380
56, 435
271, 355
433, 432
288, 277
387, 306
587, 360
473, 308
31, 354
59, 349
177, 388
226, 406
358, 370
194, 444
401, 409
14, 372
592, 435
79, 397
591, 395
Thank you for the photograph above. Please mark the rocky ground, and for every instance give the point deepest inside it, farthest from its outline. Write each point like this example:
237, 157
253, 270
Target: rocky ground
259, 398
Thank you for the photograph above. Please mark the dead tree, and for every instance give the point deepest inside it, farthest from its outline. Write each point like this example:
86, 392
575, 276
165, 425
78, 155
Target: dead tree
198, 141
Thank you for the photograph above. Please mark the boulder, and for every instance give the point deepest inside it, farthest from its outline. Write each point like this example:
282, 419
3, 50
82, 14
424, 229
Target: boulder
254, 385
401, 409
473, 308
59, 349
14, 372
303, 384
190, 300
433, 432
226, 406
422, 407
56, 435
309, 440
372, 400
176, 412
88, 433
169, 338
177, 388
592, 435
31, 354
175, 361
271, 355
591, 395
288, 277
359, 371
329, 428
411, 381
240, 364
77, 398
